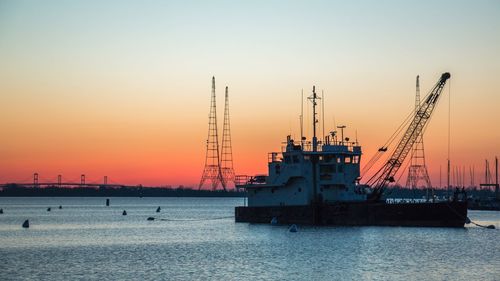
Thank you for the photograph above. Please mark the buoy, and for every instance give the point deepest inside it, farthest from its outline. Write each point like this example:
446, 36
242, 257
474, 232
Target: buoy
1, 211
151, 219
293, 228
48, 209
158, 209
124, 213
26, 224
274, 221
60, 207
107, 202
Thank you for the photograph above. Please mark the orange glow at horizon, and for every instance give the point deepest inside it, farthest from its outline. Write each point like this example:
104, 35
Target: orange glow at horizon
158, 150
127, 94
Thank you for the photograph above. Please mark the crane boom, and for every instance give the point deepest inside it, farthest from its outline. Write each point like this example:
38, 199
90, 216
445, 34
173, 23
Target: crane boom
386, 173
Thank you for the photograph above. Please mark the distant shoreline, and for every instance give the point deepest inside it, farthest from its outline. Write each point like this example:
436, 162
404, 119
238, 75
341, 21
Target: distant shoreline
115, 192
53, 191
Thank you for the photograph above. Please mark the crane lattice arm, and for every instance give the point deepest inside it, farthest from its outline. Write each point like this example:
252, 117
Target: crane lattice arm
386, 173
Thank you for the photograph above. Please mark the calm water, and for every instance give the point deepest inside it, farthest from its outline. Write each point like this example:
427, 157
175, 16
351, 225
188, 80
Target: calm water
88, 241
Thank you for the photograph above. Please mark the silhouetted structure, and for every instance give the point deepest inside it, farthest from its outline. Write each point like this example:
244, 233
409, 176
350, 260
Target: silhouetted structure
212, 171
418, 170
227, 149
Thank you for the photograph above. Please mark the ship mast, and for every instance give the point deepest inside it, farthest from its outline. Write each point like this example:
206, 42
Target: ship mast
314, 159
313, 99
496, 179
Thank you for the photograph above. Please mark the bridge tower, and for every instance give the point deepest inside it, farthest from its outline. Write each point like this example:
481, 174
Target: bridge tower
35, 180
418, 170
227, 150
212, 171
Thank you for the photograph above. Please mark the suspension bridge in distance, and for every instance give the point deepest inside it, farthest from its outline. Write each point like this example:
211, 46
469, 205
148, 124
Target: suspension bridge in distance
59, 183
83, 188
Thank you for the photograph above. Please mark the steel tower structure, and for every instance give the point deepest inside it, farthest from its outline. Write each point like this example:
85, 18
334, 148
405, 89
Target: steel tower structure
227, 149
418, 170
212, 171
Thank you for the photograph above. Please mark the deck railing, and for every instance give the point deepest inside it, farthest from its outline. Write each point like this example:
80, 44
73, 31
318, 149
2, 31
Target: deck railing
241, 180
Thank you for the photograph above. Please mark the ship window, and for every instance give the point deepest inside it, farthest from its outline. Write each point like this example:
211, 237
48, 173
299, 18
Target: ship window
355, 159
287, 159
327, 169
323, 169
321, 158
295, 159
307, 157
328, 158
341, 168
339, 160
348, 159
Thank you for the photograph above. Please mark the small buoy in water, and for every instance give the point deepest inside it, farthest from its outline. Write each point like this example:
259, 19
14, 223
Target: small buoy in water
151, 219
158, 209
48, 209
490, 226
107, 202
124, 213
293, 228
1, 211
26, 224
274, 221
60, 207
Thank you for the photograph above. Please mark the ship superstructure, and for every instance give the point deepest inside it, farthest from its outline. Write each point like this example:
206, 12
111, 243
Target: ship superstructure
293, 179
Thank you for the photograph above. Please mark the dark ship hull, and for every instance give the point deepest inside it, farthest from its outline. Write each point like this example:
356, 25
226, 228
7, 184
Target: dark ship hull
438, 214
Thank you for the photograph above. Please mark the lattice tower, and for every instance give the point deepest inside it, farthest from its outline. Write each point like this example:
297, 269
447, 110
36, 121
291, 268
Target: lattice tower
212, 171
418, 170
227, 150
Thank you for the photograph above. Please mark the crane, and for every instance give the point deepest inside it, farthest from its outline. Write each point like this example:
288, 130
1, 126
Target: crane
386, 173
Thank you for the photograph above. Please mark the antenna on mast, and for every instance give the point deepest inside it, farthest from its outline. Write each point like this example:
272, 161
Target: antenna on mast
341, 127
313, 99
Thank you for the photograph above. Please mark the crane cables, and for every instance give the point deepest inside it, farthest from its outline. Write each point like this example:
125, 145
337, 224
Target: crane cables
386, 145
423, 112
376, 157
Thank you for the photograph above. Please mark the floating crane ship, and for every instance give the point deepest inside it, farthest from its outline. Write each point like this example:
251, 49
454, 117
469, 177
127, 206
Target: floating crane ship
319, 183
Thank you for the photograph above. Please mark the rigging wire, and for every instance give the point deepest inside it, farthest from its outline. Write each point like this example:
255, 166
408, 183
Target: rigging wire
391, 139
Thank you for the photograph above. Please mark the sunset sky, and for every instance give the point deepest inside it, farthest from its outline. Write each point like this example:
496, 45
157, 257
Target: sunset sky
122, 88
